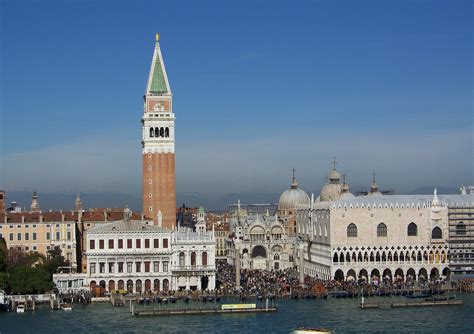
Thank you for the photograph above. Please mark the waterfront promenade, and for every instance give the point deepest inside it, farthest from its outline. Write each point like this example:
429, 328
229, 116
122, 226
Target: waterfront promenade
341, 315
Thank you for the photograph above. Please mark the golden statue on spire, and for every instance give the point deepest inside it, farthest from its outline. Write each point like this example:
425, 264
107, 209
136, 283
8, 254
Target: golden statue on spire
157, 37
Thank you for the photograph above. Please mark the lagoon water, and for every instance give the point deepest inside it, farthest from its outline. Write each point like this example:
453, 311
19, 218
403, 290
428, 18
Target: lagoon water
340, 315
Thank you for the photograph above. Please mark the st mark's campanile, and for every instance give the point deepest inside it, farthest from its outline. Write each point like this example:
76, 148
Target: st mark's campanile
159, 180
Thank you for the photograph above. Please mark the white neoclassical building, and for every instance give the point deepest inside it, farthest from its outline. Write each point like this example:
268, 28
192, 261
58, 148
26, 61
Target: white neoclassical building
139, 257
129, 255
394, 236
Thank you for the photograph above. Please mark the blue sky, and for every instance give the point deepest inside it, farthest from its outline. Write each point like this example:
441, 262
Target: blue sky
259, 88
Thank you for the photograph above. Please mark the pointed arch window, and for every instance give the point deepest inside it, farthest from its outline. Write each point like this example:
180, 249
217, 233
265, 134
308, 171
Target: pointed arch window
412, 230
162, 132
352, 230
381, 230
152, 133
167, 132
157, 132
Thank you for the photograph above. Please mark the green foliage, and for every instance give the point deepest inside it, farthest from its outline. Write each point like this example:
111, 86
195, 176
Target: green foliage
55, 260
3, 255
24, 280
3, 280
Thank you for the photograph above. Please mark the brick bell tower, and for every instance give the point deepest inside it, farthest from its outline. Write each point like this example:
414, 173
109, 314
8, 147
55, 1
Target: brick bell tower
159, 180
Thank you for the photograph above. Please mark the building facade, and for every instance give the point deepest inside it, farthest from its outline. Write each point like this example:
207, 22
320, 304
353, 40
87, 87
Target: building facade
260, 242
461, 237
41, 232
136, 256
158, 133
370, 237
129, 256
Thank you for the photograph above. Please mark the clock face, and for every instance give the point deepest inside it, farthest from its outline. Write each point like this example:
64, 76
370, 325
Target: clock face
159, 106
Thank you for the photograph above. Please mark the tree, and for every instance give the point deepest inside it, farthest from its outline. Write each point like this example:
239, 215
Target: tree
25, 280
54, 260
20, 258
3, 255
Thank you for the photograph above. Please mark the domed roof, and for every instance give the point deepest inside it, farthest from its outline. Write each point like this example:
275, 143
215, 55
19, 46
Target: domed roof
334, 176
330, 192
374, 188
293, 197
346, 196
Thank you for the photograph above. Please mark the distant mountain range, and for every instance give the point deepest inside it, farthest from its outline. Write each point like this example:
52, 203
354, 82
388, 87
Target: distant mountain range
57, 201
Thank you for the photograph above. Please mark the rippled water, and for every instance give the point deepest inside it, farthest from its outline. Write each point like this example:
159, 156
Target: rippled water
340, 315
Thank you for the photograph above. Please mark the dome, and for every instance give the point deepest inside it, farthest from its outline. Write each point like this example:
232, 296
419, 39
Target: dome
330, 192
293, 197
346, 196
334, 176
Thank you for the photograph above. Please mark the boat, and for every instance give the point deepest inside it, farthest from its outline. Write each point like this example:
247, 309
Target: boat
173, 299
418, 296
439, 299
4, 302
20, 308
302, 330
66, 307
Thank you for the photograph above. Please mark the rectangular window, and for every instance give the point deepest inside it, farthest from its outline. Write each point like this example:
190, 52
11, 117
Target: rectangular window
11, 236
92, 269
27, 236
35, 248
111, 267
156, 266
165, 243
165, 266
68, 235
138, 267
48, 236
129, 267
102, 267
101, 244
58, 235
34, 226
91, 244
34, 235
156, 243
120, 267
111, 244
129, 243
120, 243
138, 243
147, 243
19, 236
147, 266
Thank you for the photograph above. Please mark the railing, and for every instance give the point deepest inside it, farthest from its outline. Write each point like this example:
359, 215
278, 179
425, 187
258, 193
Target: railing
193, 268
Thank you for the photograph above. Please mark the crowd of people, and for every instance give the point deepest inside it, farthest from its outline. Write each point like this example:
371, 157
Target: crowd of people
286, 282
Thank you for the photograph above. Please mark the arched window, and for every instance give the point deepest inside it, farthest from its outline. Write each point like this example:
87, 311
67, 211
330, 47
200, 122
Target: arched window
352, 230
412, 229
204, 258
162, 132
193, 258
381, 230
181, 259
167, 132
461, 228
436, 233
152, 133
157, 132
